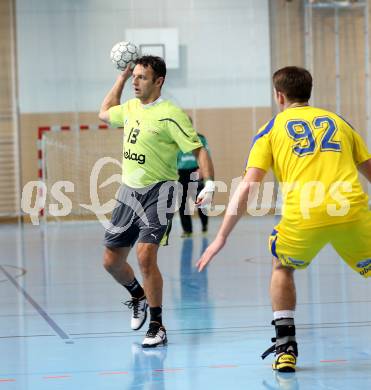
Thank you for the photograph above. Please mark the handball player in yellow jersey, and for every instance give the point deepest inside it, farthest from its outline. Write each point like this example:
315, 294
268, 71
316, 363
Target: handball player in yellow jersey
316, 156
154, 131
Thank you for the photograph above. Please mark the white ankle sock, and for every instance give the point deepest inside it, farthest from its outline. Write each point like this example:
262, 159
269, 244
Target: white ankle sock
283, 314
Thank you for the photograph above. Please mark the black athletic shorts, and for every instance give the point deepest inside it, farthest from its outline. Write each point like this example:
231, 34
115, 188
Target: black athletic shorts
142, 214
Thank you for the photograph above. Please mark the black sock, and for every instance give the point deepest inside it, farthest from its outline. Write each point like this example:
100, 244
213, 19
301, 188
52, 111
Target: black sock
156, 314
135, 289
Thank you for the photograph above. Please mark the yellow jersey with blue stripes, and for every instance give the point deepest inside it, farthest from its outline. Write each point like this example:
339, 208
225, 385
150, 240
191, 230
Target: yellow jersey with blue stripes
314, 154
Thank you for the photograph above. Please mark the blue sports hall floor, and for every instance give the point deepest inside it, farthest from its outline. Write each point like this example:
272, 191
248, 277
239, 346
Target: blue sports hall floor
63, 324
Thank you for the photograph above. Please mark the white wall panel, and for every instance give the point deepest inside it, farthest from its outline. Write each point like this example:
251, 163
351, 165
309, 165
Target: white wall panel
64, 45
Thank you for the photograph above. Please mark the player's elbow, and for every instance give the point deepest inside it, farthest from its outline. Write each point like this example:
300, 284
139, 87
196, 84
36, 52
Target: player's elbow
196, 152
103, 116
254, 175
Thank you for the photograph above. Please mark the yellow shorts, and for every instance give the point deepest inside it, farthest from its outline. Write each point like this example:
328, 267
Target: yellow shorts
297, 247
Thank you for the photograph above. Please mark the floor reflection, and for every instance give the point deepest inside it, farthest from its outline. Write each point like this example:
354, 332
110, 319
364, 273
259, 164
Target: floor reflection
148, 367
282, 381
194, 284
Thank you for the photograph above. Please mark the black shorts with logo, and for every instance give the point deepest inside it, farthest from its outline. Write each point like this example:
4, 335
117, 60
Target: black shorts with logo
142, 214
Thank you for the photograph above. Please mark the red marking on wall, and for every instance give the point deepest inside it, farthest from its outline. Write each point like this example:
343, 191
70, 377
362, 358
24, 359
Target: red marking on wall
7, 380
41, 130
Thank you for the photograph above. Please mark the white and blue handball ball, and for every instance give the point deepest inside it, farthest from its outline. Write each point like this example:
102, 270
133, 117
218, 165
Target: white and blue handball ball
124, 53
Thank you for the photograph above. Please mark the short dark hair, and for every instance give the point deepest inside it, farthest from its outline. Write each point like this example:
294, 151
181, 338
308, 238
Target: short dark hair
294, 82
156, 63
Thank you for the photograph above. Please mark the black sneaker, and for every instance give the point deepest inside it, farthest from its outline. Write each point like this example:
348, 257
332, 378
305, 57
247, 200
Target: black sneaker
155, 336
139, 316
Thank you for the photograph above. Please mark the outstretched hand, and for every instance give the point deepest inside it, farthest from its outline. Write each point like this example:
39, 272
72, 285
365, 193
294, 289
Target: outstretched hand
212, 250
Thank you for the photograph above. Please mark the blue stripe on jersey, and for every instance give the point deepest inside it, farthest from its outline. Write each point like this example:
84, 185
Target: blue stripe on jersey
273, 247
267, 129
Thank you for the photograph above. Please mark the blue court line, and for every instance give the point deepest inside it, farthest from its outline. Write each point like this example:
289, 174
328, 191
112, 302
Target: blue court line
63, 335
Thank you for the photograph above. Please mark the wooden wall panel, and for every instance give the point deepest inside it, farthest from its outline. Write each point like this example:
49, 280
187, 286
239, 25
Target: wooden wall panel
333, 35
323, 59
9, 194
339, 63
336, 41
352, 69
6, 34
229, 133
287, 33
288, 47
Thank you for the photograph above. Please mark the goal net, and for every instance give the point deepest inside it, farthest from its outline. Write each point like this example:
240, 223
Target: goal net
81, 170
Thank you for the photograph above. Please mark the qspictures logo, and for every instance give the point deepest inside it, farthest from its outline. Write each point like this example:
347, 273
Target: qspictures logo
262, 197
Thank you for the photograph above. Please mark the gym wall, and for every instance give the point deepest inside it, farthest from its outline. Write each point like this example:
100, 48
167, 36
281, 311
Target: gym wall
56, 70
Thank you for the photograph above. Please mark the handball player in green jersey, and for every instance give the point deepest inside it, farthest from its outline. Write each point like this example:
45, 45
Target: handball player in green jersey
154, 131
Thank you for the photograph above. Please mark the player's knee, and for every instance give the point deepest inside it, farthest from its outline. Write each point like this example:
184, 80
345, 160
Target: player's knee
146, 264
146, 261
110, 260
147, 258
